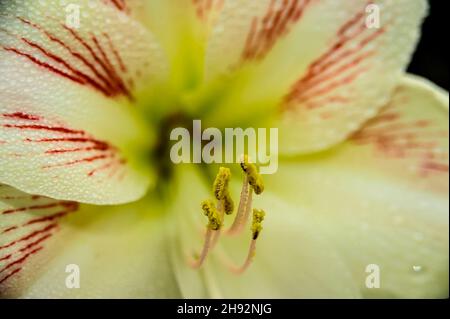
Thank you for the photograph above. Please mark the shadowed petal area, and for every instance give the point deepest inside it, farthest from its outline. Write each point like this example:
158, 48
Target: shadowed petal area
382, 197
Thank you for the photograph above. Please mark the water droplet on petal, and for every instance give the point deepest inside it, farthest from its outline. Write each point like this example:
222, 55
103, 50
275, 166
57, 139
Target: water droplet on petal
417, 268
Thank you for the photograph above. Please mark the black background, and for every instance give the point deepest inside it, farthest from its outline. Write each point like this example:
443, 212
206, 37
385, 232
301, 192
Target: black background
431, 57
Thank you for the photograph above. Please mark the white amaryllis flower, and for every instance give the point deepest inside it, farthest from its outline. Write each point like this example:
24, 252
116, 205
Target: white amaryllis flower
85, 112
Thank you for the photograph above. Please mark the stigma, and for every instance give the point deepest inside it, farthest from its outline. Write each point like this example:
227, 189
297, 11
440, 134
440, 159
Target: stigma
223, 204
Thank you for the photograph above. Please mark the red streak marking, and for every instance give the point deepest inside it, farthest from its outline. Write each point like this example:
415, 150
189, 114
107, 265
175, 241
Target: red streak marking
413, 140
107, 84
436, 167
204, 7
45, 65
312, 82
35, 243
100, 62
110, 69
69, 67
80, 149
83, 160
6, 257
116, 53
27, 237
19, 261
9, 229
45, 128
10, 275
52, 217
119, 4
266, 31
36, 207
34, 197
333, 85
22, 116
107, 166
326, 67
99, 144
326, 100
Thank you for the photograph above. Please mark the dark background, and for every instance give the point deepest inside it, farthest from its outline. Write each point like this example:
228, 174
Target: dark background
431, 57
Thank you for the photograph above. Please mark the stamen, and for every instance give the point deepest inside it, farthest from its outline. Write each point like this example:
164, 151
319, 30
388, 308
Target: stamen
244, 204
198, 262
254, 178
258, 217
214, 224
220, 209
215, 214
210, 211
221, 189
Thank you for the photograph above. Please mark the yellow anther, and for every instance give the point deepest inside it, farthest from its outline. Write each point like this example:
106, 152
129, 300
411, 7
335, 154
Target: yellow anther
221, 189
258, 217
228, 204
221, 182
254, 178
210, 211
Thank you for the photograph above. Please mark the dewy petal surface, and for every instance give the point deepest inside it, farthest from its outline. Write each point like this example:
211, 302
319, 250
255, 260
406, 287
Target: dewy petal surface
291, 260
181, 28
382, 197
315, 65
27, 224
121, 252
68, 129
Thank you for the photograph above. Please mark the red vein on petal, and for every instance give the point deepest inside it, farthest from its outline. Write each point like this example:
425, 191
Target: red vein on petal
45, 128
394, 136
267, 30
110, 83
91, 149
107, 83
19, 261
344, 54
37, 207
99, 61
45, 65
29, 236
15, 271
21, 116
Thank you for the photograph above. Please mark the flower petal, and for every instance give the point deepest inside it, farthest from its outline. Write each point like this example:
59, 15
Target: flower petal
89, 44
64, 94
121, 252
409, 137
382, 197
180, 29
292, 260
316, 65
27, 223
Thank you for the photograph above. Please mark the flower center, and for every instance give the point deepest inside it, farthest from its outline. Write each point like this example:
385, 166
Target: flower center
216, 210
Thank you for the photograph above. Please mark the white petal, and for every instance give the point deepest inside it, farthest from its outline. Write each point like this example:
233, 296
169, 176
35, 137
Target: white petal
382, 197
70, 88
121, 252
316, 65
